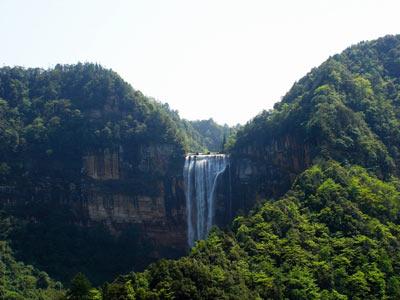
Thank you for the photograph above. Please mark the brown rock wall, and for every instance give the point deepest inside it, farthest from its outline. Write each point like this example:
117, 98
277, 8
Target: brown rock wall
155, 204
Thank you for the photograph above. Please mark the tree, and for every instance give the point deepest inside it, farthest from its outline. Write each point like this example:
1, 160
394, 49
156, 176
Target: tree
81, 289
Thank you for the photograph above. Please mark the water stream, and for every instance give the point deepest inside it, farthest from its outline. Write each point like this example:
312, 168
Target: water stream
201, 174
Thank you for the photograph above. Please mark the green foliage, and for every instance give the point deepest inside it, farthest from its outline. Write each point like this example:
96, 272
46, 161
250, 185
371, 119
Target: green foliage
122, 290
81, 289
54, 117
202, 135
334, 235
20, 281
49, 121
214, 136
347, 109
64, 249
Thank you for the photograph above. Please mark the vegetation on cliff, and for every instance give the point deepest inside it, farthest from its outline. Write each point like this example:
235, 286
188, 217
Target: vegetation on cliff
214, 136
347, 109
19, 281
49, 121
203, 135
334, 235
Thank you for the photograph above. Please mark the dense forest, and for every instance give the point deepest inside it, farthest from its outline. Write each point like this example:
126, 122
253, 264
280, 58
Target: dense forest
347, 109
334, 234
21, 281
49, 120
214, 136
204, 135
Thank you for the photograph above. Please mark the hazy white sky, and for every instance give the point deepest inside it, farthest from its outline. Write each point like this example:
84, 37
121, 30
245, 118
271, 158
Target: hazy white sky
223, 59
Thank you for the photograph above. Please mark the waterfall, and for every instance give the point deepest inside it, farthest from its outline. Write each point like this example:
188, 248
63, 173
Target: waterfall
201, 174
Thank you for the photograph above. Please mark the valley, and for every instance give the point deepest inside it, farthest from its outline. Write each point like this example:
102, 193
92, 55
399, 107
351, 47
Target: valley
302, 202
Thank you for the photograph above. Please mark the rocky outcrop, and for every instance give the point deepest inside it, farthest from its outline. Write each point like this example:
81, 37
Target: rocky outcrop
103, 165
138, 186
267, 170
120, 208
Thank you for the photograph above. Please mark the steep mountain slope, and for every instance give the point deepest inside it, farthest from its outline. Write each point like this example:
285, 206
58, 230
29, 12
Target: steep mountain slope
347, 109
203, 135
334, 231
335, 235
214, 136
21, 281
24, 282
89, 167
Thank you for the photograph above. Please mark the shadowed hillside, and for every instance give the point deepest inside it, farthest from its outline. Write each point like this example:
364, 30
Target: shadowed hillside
328, 153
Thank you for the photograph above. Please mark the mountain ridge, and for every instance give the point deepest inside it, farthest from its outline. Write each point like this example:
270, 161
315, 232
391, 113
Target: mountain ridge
83, 154
327, 158
315, 185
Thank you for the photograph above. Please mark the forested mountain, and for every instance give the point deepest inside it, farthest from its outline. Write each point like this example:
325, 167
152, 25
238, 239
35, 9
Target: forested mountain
68, 110
85, 161
335, 235
20, 281
68, 94
203, 135
52, 124
347, 109
328, 154
89, 166
214, 136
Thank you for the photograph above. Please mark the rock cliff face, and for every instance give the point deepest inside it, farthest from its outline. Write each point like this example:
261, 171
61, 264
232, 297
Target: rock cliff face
91, 170
266, 170
102, 166
258, 171
115, 196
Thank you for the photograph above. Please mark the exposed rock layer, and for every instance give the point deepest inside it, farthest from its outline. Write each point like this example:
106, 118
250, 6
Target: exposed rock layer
154, 201
267, 170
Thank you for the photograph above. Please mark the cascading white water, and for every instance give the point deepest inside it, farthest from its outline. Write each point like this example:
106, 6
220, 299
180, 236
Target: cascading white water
201, 174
